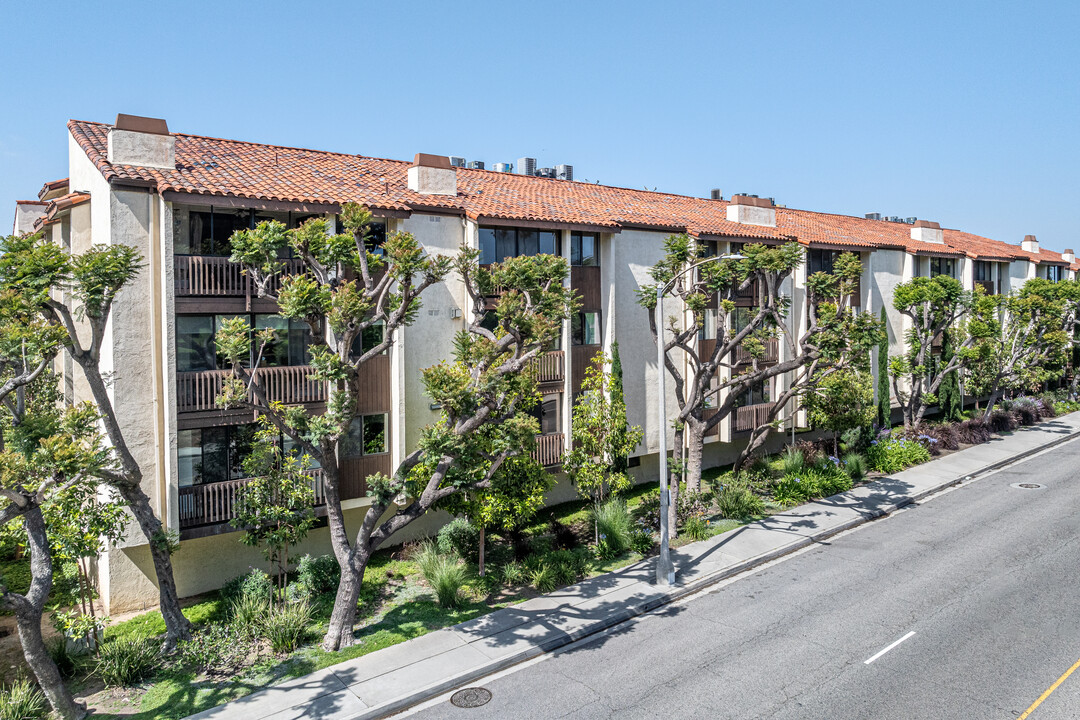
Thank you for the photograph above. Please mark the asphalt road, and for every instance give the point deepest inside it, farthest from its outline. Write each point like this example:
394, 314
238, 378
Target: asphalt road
984, 575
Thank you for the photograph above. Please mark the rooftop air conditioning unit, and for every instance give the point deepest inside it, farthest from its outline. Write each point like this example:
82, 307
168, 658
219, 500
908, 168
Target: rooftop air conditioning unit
564, 172
546, 172
503, 167
714, 194
476, 165
456, 161
873, 216
527, 166
910, 220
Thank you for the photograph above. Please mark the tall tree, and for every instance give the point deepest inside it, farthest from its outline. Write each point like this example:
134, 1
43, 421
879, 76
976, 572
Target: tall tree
620, 464
884, 395
932, 305
840, 401
831, 332
69, 290
949, 393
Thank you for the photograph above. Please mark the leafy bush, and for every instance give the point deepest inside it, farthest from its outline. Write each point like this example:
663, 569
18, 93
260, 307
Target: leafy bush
641, 542
894, 454
249, 613
973, 432
737, 501
316, 575
428, 558
569, 565
689, 504
216, 649
1046, 406
810, 451
758, 466
460, 537
855, 466
22, 701
513, 573
286, 625
788, 490
126, 661
614, 526
565, 538
61, 654
793, 461
256, 583
696, 529
1026, 410
834, 481
448, 579
543, 578
1002, 421
857, 439
1062, 407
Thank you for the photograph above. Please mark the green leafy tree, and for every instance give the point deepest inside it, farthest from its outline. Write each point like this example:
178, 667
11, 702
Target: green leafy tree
275, 507
884, 395
72, 290
832, 334
949, 392
932, 305
601, 436
840, 401
620, 464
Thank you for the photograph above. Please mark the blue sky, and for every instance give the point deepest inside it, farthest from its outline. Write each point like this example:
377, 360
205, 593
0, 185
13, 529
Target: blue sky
961, 112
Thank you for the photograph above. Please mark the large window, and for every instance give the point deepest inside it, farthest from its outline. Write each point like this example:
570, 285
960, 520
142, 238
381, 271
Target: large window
821, 261
1054, 273
497, 244
369, 338
196, 349
756, 394
942, 266
983, 271
707, 331
366, 436
210, 455
585, 328
547, 414
584, 250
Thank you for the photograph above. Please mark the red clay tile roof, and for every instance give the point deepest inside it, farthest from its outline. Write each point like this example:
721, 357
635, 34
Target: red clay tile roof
51, 187
215, 167
845, 230
59, 205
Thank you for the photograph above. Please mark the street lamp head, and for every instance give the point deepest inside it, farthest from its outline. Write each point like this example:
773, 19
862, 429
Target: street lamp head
733, 256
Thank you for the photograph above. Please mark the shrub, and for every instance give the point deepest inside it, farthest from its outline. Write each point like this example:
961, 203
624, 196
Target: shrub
1002, 421
855, 466
22, 701
286, 625
737, 501
793, 461
568, 565
696, 529
614, 526
641, 542
543, 578
565, 538
428, 558
973, 432
1046, 405
255, 583
316, 575
689, 504
788, 490
513, 573
857, 439
126, 661
249, 612
460, 537
810, 451
215, 649
758, 466
894, 454
833, 482
61, 654
1026, 411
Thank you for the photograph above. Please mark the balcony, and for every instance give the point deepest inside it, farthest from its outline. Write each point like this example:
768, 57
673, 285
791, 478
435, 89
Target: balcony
549, 449
215, 503
750, 417
212, 276
198, 391
772, 352
549, 367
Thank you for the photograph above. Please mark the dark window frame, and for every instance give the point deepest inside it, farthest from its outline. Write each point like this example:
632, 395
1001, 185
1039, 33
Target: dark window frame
496, 243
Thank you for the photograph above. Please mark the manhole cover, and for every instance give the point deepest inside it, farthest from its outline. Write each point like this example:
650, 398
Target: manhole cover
1028, 486
471, 697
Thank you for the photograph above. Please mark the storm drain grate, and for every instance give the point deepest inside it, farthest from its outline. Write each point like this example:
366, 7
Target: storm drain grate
1028, 486
471, 697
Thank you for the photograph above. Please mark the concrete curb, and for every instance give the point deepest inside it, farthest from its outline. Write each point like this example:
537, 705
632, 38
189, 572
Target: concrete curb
679, 591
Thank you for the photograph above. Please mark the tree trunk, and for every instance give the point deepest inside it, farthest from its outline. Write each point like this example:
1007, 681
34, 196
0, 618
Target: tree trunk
28, 612
176, 625
480, 555
995, 395
339, 634
696, 435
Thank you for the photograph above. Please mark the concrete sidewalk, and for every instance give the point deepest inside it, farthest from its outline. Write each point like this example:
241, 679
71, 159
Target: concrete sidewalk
397, 677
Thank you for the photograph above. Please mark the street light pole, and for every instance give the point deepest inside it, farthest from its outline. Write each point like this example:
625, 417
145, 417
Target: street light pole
665, 568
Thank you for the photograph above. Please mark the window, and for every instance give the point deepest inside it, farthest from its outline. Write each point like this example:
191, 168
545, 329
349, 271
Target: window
1053, 273
210, 455
366, 436
707, 331
497, 244
708, 248
547, 414
290, 347
983, 271
209, 233
942, 266
756, 394
583, 249
585, 328
822, 261
368, 338
196, 349
741, 317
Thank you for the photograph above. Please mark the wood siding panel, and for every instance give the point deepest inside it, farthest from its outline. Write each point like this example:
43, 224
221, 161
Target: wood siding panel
373, 386
586, 282
581, 356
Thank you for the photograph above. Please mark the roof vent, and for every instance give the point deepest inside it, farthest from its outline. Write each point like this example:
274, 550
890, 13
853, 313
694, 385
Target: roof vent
910, 220
432, 175
926, 231
141, 141
751, 210
715, 194
1030, 244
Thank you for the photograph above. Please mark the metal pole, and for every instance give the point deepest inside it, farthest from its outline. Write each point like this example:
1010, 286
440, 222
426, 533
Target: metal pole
665, 569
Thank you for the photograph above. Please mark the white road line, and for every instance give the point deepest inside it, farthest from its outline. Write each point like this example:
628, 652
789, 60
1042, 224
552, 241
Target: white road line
885, 650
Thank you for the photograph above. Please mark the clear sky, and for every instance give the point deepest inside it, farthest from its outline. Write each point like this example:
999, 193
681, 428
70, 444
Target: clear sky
967, 113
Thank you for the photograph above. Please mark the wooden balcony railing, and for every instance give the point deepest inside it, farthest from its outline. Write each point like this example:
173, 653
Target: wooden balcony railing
211, 276
749, 417
549, 449
772, 352
291, 385
549, 367
214, 503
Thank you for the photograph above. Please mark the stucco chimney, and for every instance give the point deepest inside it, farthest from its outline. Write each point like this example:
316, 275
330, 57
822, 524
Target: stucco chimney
432, 175
1030, 244
751, 211
1068, 256
26, 212
926, 231
136, 140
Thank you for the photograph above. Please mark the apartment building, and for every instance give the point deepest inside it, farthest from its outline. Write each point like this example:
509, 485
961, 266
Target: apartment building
178, 198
